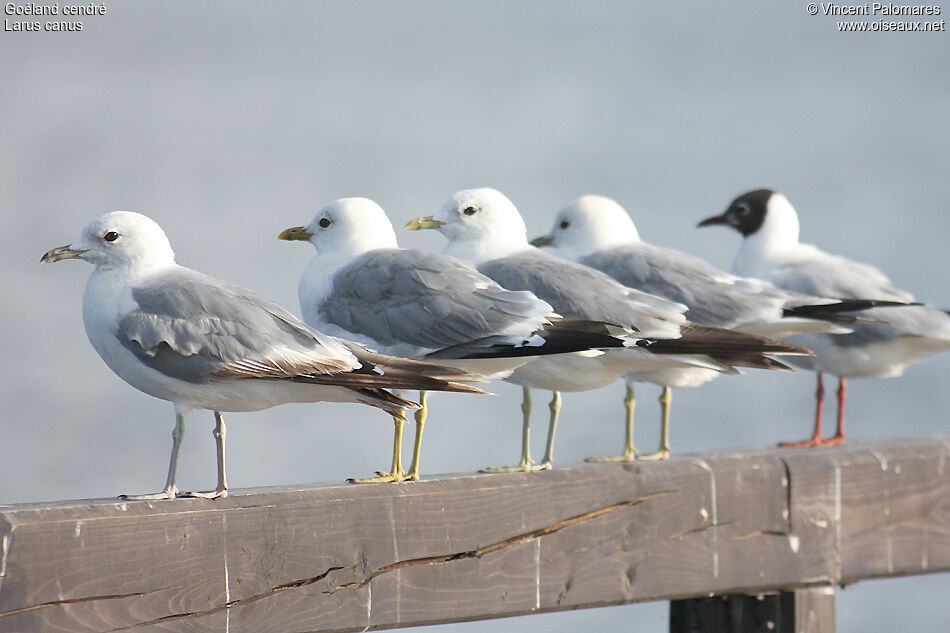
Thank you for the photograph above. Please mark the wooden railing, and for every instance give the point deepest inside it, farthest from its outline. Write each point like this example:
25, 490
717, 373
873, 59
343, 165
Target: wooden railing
782, 525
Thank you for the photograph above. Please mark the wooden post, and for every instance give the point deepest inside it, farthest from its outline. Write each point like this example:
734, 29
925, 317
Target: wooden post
810, 610
337, 557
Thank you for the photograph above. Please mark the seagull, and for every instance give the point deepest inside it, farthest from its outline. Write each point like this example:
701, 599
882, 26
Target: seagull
362, 286
202, 343
485, 228
597, 232
899, 337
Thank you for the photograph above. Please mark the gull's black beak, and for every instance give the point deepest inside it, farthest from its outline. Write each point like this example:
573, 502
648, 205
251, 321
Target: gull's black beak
716, 219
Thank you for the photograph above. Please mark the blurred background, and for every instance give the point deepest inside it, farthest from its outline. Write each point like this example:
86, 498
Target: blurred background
228, 122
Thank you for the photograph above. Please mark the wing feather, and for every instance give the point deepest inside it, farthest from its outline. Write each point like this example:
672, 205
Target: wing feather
197, 328
399, 297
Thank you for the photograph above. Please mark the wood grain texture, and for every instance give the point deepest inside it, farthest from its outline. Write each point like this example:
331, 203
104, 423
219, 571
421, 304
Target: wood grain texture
344, 558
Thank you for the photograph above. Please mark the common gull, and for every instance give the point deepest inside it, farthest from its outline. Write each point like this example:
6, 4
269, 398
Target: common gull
361, 285
202, 343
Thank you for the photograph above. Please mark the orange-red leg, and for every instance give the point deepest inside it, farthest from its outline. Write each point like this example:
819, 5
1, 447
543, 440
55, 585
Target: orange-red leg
839, 433
817, 439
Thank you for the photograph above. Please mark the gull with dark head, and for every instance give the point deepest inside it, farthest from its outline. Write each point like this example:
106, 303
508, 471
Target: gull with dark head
202, 343
484, 227
597, 232
361, 285
899, 336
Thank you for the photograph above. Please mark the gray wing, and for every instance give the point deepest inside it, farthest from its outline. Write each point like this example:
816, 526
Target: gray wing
196, 328
714, 297
812, 271
921, 321
577, 291
430, 301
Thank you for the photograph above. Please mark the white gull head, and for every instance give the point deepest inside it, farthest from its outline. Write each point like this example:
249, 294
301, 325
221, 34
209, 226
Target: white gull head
590, 224
122, 240
481, 225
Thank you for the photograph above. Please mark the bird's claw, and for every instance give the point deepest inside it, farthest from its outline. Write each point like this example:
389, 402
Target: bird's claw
210, 494
626, 456
523, 467
380, 478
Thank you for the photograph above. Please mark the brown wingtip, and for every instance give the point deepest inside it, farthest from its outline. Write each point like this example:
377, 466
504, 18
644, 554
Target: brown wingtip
460, 387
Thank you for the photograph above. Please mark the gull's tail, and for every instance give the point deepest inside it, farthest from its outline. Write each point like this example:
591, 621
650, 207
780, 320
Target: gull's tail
378, 373
838, 312
559, 336
385, 400
728, 347
393, 372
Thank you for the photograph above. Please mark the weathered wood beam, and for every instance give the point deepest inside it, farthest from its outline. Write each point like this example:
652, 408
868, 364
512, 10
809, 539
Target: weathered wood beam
344, 558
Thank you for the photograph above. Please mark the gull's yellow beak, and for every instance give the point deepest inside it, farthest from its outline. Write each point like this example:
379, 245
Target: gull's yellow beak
543, 240
63, 252
295, 233
423, 222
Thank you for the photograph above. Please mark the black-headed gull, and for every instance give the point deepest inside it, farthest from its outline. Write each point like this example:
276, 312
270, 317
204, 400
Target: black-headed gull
902, 336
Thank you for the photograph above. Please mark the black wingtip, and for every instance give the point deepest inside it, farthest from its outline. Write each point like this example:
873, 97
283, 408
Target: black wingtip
840, 312
560, 336
722, 344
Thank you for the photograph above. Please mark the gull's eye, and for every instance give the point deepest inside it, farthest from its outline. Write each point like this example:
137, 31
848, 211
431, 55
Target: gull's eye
111, 236
565, 224
742, 209
470, 210
324, 222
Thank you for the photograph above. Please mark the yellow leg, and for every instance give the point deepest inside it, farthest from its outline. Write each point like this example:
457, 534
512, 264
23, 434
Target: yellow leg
666, 398
397, 473
629, 450
420, 415
526, 464
555, 408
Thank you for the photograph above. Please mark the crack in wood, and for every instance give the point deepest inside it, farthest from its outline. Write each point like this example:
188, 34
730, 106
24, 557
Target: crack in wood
53, 603
788, 495
4, 550
498, 545
742, 537
696, 530
293, 584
